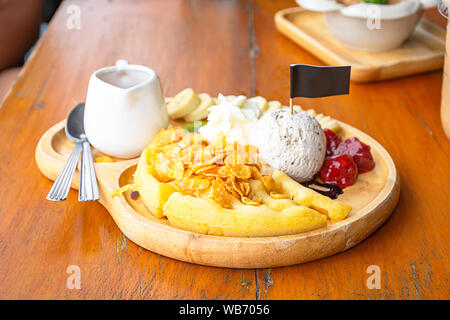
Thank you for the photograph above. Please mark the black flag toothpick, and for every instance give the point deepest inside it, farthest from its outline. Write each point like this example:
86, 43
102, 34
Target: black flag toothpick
314, 81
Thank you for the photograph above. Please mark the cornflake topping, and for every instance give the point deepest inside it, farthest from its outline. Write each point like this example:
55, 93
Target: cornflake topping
219, 170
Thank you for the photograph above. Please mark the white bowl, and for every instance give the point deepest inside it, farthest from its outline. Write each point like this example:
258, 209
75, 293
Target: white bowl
370, 27
354, 33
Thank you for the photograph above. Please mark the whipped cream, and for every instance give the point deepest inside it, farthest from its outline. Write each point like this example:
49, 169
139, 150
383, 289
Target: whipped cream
234, 119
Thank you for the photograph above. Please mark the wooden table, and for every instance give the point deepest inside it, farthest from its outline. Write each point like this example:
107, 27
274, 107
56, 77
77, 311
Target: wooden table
212, 46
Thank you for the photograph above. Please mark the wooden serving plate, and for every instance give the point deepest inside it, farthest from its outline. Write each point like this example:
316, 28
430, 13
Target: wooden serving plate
423, 51
372, 198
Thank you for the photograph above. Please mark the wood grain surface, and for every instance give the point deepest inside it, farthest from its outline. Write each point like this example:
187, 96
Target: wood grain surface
211, 46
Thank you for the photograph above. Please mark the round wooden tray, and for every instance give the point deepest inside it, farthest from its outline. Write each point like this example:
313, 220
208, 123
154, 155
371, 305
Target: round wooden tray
372, 198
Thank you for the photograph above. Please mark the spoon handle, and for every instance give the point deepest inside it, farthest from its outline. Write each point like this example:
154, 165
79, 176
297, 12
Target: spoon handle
88, 181
60, 188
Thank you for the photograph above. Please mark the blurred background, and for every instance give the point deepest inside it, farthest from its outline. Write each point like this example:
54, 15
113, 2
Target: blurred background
22, 22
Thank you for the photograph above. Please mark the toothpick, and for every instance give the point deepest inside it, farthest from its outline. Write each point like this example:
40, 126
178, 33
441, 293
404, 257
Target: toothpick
291, 106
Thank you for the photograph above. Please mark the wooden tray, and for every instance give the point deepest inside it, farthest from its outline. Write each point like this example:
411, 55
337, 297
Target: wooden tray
372, 198
423, 51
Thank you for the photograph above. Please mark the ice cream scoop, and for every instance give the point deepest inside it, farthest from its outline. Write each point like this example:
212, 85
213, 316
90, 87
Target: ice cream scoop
294, 144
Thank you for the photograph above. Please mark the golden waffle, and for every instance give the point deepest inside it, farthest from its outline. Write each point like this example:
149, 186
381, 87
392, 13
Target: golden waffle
239, 203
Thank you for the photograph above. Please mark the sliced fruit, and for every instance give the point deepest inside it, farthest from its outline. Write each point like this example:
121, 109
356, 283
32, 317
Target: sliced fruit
183, 103
201, 111
339, 170
274, 105
258, 191
333, 141
326, 122
259, 102
330, 123
239, 102
208, 217
304, 196
359, 151
295, 107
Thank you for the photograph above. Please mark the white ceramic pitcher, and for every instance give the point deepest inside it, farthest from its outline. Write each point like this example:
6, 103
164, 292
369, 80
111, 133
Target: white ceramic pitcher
125, 109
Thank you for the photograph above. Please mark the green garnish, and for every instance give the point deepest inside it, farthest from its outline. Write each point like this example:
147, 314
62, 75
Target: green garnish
376, 1
191, 126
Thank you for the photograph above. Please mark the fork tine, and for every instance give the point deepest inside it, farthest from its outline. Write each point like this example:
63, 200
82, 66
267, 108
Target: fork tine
55, 190
65, 175
67, 180
61, 186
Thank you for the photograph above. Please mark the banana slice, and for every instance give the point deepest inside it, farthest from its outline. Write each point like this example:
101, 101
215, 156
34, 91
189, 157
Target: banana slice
333, 125
258, 101
320, 116
201, 112
326, 122
183, 103
273, 105
237, 102
329, 123
295, 107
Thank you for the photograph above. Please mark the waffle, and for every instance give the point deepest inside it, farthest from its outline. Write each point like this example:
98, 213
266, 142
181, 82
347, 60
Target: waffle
257, 210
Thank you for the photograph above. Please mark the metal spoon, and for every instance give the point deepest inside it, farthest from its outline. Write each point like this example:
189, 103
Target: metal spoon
88, 182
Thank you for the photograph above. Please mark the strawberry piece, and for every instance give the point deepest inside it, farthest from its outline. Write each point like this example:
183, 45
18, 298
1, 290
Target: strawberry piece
333, 141
359, 151
339, 170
